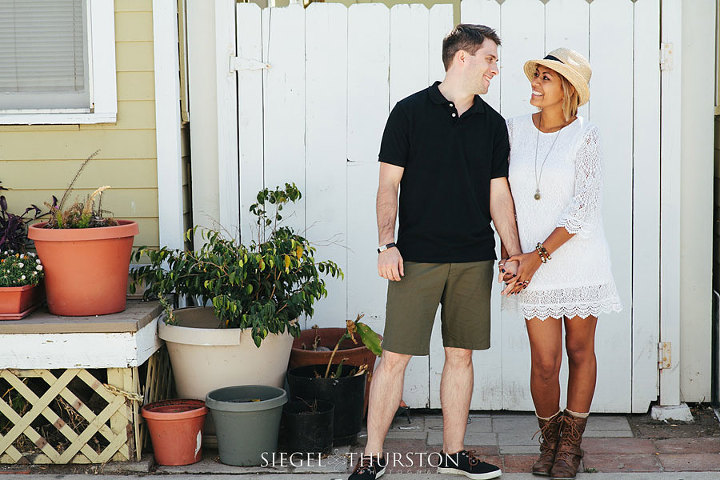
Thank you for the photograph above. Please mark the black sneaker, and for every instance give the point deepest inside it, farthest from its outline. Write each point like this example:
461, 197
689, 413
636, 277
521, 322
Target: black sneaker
369, 467
466, 463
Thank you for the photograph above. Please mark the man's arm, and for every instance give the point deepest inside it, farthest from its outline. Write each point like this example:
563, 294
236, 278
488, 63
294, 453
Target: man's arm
390, 262
502, 211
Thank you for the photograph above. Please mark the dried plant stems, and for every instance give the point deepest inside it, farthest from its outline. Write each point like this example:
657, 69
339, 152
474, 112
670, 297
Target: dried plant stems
77, 175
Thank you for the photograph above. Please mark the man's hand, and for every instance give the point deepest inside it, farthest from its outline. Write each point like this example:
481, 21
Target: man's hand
390, 264
507, 272
528, 265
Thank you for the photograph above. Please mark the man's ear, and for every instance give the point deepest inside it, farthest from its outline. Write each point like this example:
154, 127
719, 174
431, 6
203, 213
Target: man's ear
460, 56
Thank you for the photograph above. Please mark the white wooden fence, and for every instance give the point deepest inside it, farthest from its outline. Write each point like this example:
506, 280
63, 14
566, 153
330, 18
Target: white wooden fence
315, 117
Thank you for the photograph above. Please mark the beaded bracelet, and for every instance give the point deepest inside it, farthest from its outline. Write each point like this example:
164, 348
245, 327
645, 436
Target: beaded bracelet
542, 252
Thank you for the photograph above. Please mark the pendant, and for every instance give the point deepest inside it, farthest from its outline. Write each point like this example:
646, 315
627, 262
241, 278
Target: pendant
537, 194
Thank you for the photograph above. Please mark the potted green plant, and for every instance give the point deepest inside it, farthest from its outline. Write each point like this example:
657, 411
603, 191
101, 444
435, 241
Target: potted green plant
340, 384
256, 293
86, 255
315, 346
20, 276
20, 272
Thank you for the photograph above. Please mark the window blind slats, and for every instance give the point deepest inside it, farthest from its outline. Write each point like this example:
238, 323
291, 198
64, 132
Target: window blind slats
43, 50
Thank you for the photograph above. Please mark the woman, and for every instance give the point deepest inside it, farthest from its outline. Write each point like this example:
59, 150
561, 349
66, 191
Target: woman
564, 276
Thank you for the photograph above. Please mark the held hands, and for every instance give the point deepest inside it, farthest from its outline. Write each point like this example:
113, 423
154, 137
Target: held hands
518, 271
390, 264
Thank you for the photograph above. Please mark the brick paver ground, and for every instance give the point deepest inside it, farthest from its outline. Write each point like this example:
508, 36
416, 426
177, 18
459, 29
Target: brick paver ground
507, 441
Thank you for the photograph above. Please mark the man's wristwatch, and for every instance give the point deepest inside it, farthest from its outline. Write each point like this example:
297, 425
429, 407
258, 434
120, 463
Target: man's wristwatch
382, 248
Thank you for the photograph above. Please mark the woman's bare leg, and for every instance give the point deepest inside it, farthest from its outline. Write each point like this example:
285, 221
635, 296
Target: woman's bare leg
546, 355
580, 346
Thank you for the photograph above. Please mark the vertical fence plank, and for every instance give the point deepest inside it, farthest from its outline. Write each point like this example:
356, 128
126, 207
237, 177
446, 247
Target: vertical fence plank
440, 22
368, 99
646, 208
326, 132
285, 106
408, 50
250, 114
612, 112
408, 74
486, 12
523, 39
671, 200
227, 127
567, 24
368, 88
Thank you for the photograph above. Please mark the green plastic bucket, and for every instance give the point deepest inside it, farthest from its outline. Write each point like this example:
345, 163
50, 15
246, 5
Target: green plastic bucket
247, 422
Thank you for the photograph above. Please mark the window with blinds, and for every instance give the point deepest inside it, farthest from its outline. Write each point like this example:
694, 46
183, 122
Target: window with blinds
44, 55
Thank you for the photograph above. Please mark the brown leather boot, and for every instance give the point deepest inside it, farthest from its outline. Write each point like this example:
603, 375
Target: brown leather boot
549, 436
569, 454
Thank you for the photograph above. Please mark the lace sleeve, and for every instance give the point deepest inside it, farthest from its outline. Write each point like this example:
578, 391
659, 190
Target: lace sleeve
581, 215
509, 123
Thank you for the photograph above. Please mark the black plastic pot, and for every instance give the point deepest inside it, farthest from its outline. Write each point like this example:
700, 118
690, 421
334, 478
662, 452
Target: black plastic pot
308, 426
346, 393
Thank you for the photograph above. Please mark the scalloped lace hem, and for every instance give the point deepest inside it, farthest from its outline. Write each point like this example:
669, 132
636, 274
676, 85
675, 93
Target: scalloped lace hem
565, 302
570, 311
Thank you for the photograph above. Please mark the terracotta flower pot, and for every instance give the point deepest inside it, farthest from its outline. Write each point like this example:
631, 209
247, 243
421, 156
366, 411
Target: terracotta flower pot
86, 269
19, 302
355, 355
176, 430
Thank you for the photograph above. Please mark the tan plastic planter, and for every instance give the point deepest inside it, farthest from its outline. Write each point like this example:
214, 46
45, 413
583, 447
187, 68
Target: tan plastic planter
205, 357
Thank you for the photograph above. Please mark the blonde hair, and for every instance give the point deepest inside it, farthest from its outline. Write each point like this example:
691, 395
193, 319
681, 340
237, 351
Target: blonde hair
571, 99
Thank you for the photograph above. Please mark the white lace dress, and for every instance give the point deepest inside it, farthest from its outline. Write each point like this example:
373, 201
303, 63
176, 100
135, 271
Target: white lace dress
577, 281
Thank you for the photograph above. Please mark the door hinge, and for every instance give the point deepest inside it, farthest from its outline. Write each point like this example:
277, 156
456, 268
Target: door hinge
239, 63
666, 56
664, 355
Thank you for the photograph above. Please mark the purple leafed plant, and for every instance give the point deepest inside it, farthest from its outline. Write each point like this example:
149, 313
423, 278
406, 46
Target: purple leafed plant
13, 228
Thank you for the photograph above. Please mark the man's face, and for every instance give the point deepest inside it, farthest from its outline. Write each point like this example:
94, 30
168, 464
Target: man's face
481, 67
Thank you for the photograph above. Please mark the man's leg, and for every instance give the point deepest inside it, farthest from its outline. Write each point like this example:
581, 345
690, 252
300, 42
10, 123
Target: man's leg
465, 327
456, 388
385, 394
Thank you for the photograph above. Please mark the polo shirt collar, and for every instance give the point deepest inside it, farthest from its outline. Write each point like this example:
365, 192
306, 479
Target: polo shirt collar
437, 98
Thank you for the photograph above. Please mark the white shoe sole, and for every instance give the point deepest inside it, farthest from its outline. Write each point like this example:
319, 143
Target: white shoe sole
380, 473
474, 476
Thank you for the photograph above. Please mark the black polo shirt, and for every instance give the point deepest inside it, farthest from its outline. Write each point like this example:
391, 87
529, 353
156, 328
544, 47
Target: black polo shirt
445, 189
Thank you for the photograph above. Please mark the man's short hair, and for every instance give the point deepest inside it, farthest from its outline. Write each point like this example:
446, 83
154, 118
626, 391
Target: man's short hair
466, 37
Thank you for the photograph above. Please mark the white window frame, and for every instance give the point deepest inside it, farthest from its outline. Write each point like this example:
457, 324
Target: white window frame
102, 77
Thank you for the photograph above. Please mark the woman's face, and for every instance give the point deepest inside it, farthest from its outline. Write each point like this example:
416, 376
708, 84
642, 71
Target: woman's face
547, 88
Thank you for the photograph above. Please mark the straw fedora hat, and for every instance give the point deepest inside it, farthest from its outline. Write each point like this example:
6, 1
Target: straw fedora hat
568, 63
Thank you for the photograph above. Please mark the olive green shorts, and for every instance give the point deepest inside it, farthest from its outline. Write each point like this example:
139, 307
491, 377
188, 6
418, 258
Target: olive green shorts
463, 289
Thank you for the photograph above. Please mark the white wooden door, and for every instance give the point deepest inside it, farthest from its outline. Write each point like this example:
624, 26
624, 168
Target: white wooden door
316, 117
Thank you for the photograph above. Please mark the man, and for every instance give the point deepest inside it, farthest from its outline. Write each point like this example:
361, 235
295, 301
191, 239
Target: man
447, 150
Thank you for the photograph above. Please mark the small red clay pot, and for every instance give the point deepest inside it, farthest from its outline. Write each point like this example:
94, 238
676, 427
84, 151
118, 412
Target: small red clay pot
86, 269
18, 302
176, 430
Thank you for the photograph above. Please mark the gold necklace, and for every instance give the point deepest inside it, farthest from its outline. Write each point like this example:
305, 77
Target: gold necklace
537, 195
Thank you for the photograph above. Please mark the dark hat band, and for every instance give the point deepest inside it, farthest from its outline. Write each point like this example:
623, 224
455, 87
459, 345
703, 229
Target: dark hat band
551, 57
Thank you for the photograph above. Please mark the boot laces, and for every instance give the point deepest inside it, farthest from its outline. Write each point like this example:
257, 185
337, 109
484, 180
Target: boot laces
548, 427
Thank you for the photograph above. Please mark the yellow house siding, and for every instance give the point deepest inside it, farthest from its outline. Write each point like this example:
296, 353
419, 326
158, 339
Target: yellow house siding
39, 161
